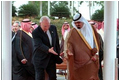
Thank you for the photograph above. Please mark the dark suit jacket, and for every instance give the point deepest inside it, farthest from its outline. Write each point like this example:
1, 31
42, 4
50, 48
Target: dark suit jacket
17, 56
42, 45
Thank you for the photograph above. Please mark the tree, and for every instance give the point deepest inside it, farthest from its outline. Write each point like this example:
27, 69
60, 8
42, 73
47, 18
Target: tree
28, 10
13, 9
35, 3
60, 9
44, 6
98, 15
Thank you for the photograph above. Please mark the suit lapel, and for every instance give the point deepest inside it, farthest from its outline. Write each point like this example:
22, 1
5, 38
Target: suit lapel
51, 32
43, 33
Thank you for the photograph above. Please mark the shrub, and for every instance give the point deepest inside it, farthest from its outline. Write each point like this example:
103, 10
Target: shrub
28, 10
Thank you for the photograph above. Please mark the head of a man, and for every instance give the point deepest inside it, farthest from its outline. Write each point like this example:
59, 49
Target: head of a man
45, 23
34, 25
26, 25
79, 24
16, 26
66, 25
78, 21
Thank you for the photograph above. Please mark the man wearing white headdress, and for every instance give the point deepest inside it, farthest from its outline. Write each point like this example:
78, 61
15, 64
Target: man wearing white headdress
81, 50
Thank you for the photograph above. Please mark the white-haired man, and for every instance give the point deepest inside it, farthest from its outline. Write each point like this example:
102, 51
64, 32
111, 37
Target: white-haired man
81, 47
46, 49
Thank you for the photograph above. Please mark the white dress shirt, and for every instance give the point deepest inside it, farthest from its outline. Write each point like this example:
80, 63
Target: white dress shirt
49, 36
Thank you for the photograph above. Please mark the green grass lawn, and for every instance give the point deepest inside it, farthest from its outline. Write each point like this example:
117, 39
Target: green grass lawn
57, 22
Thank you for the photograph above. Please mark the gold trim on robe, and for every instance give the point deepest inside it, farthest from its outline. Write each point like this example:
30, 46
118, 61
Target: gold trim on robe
87, 42
28, 33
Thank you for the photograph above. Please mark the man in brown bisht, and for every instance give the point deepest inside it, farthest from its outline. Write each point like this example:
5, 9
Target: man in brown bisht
81, 50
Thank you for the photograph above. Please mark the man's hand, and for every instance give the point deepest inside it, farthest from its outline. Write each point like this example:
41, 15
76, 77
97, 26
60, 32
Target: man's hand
24, 61
95, 57
69, 53
52, 51
94, 51
61, 54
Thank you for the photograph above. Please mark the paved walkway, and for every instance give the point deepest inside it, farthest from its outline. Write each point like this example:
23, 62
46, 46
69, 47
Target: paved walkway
60, 77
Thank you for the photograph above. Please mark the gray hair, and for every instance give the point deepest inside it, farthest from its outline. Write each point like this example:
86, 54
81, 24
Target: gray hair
44, 17
17, 23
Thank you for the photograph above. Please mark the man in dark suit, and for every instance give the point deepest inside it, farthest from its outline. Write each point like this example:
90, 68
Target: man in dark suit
22, 49
46, 49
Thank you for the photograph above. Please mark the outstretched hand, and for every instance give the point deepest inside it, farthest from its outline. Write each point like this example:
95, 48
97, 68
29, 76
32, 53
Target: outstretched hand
61, 54
51, 50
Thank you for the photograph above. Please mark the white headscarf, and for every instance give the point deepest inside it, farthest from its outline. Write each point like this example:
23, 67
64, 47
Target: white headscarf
86, 30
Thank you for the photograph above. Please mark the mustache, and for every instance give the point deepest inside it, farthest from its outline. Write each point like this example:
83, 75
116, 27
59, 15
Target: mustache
78, 27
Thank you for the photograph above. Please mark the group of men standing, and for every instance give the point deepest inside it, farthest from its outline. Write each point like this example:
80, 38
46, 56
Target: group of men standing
36, 53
